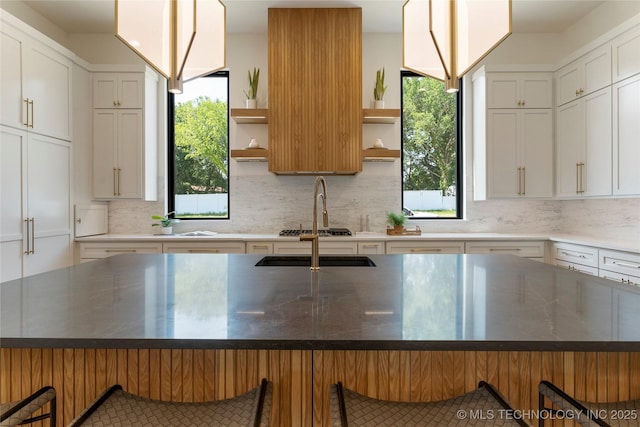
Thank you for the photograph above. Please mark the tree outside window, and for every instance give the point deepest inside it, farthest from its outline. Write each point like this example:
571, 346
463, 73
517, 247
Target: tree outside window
199, 149
431, 148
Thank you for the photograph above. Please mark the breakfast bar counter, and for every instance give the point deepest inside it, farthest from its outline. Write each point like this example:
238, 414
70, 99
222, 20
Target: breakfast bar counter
193, 327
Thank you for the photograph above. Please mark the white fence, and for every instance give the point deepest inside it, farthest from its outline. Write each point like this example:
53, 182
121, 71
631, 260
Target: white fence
427, 200
207, 203
201, 203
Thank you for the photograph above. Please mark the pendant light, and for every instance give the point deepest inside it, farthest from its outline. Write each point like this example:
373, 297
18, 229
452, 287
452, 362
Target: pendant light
180, 39
444, 39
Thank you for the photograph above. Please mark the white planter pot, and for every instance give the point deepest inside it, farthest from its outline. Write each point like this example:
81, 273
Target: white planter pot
252, 103
165, 230
378, 105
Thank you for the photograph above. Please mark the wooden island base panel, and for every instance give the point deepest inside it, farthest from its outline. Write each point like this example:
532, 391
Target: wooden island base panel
196, 327
301, 378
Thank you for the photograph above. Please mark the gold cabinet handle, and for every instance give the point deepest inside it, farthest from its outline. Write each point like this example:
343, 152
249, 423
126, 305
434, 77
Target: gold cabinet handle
33, 236
577, 92
524, 180
505, 249
115, 184
115, 103
32, 114
260, 246
119, 170
26, 123
28, 239
425, 250
519, 180
204, 251
580, 177
120, 251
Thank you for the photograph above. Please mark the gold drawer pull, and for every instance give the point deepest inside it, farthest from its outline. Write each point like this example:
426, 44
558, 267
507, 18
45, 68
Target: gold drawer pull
414, 250
504, 249
204, 251
120, 250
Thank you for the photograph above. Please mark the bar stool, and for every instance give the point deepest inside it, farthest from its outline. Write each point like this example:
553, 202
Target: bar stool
623, 413
115, 407
483, 406
21, 411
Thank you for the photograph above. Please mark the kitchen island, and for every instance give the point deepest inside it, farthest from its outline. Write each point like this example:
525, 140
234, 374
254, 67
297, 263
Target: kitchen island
193, 327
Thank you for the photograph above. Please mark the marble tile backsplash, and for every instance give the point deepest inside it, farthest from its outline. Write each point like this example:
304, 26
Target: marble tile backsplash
269, 203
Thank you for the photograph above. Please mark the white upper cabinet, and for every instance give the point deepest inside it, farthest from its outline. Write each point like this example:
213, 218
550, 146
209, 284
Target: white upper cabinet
519, 90
513, 145
583, 76
583, 146
626, 137
118, 90
36, 85
520, 153
626, 54
125, 143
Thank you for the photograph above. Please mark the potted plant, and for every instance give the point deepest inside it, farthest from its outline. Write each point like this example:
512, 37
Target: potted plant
379, 90
396, 220
252, 102
166, 222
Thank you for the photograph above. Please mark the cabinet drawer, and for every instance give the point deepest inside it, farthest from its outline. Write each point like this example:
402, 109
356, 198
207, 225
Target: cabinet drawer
523, 249
104, 250
259, 247
576, 267
426, 247
326, 248
371, 248
204, 248
620, 262
583, 255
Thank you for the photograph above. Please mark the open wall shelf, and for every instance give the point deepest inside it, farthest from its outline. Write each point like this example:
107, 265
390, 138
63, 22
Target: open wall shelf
250, 115
382, 115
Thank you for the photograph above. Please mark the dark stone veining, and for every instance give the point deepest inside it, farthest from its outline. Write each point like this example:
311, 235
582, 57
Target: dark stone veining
406, 302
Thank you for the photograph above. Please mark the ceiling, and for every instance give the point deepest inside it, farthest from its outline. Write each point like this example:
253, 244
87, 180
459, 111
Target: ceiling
250, 16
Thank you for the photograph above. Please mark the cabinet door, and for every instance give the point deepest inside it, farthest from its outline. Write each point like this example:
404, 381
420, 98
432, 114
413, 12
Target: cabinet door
13, 179
536, 153
626, 131
47, 84
626, 54
105, 134
568, 83
535, 91
118, 90
49, 204
129, 154
502, 90
11, 101
502, 156
597, 69
569, 141
596, 172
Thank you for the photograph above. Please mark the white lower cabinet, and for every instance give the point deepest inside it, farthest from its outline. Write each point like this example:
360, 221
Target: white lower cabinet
35, 195
90, 250
619, 266
583, 259
424, 247
234, 247
526, 249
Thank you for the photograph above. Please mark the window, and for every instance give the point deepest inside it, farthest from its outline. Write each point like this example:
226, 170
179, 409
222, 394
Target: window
198, 153
431, 149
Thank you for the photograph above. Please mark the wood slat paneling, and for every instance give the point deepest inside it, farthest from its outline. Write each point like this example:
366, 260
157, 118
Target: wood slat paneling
303, 377
80, 375
315, 90
441, 375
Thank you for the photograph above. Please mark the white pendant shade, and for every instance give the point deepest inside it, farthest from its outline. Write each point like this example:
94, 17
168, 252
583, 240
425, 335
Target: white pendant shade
181, 39
444, 39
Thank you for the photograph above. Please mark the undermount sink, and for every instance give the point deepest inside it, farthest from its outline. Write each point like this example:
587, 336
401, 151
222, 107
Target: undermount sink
325, 261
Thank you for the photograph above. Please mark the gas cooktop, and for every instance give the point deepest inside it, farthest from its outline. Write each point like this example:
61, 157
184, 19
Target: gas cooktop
323, 232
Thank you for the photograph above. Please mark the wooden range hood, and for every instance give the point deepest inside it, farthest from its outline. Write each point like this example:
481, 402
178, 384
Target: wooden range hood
315, 90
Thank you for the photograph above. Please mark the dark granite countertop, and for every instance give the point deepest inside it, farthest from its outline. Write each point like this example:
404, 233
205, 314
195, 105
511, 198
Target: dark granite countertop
406, 302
